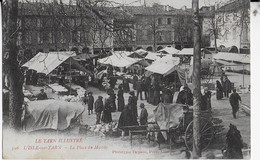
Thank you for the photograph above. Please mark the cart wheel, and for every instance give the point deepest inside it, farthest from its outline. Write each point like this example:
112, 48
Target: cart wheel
207, 134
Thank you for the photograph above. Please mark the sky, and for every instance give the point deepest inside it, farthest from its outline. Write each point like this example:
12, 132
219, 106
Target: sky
173, 3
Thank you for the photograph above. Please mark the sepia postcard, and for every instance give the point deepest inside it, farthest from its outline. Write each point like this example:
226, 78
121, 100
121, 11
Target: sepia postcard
127, 79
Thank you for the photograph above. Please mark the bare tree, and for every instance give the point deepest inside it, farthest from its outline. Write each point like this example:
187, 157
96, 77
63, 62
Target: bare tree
59, 13
227, 18
13, 72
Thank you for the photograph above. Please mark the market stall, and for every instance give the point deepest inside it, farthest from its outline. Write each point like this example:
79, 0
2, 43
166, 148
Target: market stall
169, 50
51, 114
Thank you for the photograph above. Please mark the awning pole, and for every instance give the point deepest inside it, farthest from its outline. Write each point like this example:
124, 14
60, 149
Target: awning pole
243, 76
70, 76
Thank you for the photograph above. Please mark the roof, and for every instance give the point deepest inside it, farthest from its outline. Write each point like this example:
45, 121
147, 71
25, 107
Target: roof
47, 62
141, 10
119, 60
234, 5
185, 51
232, 57
164, 65
152, 55
48, 9
169, 50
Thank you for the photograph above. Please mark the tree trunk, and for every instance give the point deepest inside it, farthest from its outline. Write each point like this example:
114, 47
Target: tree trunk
14, 74
196, 80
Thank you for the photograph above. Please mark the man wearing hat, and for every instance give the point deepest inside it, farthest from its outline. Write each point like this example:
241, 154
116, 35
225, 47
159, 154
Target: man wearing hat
90, 101
132, 101
99, 108
42, 95
143, 115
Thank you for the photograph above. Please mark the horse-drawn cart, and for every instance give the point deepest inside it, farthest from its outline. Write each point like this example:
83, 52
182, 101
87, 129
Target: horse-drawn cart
174, 122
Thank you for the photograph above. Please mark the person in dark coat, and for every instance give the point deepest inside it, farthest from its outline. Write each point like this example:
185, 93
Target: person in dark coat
112, 81
156, 94
90, 101
107, 117
167, 97
219, 90
234, 144
126, 85
185, 96
139, 88
99, 108
143, 115
132, 102
234, 100
126, 119
146, 85
206, 100
42, 95
34, 78
113, 101
226, 86
135, 79
120, 98
150, 94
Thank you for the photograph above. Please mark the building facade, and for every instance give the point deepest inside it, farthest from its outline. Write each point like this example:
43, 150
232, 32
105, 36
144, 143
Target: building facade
228, 25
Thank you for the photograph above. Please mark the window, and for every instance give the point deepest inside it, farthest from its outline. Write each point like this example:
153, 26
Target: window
72, 22
19, 23
169, 21
39, 38
234, 33
245, 34
51, 38
159, 20
39, 23
19, 39
160, 36
62, 38
28, 37
79, 39
78, 21
145, 35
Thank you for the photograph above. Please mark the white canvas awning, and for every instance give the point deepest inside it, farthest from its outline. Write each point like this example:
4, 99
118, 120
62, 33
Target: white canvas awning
141, 52
232, 57
165, 66
118, 60
185, 52
153, 56
47, 62
169, 50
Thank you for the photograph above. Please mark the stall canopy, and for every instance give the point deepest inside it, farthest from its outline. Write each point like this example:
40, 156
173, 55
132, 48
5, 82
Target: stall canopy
152, 56
118, 60
169, 50
232, 57
51, 114
47, 62
141, 52
164, 66
185, 52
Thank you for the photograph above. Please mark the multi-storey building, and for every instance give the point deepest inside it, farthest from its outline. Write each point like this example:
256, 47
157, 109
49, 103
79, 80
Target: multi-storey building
54, 27
228, 25
160, 26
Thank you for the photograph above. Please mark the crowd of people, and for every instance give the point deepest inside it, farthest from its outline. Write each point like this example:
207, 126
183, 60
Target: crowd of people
223, 89
104, 109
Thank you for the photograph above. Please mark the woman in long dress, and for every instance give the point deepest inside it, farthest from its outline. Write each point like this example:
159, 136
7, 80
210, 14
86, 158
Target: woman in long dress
107, 117
219, 90
120, 98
